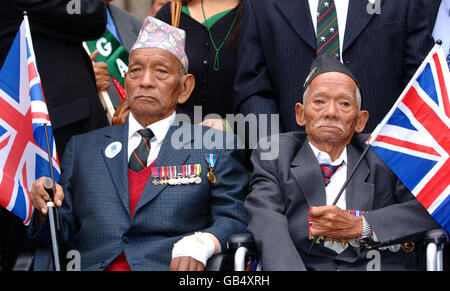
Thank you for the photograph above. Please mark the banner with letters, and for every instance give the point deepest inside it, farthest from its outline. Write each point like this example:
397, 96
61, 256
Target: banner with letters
115, 56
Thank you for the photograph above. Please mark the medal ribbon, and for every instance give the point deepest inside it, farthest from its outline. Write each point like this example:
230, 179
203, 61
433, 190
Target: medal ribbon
211, 159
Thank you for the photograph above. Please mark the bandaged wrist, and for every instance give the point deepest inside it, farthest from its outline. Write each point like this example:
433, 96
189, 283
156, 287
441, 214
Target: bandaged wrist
199, 246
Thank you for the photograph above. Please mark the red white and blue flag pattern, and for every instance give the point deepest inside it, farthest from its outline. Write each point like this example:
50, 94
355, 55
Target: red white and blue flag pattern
414, 137
23, 113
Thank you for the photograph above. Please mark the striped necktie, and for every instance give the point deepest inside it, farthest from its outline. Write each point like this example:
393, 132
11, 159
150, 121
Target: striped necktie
138, 159
327, 41
328, 171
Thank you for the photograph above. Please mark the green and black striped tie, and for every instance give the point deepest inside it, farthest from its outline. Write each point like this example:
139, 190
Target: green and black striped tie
138, 159
327, 41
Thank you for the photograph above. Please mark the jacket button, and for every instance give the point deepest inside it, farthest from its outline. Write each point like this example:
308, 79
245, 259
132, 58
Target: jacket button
125, 239
205, 62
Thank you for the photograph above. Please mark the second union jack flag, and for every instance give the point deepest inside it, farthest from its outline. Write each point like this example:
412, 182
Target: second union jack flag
414, 137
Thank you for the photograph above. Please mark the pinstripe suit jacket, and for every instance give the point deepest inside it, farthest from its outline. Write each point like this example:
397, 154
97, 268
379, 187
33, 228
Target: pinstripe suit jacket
277, 46
95, 216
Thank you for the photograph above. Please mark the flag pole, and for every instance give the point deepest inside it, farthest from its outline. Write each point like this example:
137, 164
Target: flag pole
50, 187
343, 188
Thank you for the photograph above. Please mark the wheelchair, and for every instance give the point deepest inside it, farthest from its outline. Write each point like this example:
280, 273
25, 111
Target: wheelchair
243, 249
241, 254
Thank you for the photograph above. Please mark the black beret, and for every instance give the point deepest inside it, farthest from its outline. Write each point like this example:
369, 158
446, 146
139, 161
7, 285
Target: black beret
326, 64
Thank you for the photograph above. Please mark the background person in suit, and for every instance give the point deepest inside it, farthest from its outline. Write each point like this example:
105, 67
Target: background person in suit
112, 213
67, 78
125, 28
278, 44
291, 198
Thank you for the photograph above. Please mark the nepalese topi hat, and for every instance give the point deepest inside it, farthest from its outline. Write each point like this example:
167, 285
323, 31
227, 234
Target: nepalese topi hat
325, 64
158, 34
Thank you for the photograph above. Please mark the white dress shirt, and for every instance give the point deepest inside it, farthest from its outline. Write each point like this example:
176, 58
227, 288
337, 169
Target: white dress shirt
442, 26
338, 178
341, 10
159, 129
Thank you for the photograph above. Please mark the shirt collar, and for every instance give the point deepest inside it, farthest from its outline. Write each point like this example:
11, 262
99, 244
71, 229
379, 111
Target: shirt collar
324, 158
159, 128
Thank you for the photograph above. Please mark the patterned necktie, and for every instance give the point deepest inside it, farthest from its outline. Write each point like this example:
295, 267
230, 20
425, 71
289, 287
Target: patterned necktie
327, 41
138, 159
328, 171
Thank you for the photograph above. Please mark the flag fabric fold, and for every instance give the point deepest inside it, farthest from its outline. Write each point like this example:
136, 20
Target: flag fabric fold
413, 139
23, 114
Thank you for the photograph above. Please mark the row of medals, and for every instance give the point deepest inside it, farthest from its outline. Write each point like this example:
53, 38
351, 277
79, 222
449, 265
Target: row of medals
177, 180
180, 180
407, 247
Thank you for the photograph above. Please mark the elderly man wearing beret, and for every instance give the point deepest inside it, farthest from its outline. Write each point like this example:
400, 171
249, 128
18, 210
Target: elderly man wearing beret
376, 223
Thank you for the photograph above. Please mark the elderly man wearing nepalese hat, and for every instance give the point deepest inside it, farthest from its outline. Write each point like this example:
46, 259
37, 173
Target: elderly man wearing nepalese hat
297, 213
129, 198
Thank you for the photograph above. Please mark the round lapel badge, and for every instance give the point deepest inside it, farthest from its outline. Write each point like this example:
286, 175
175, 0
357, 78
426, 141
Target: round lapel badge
113, 149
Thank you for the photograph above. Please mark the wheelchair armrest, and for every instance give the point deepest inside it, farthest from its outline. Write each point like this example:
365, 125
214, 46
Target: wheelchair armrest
24, 262
220, 262
437, 236
241, 240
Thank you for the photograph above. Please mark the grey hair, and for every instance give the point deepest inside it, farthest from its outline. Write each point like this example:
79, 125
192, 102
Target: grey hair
357, 93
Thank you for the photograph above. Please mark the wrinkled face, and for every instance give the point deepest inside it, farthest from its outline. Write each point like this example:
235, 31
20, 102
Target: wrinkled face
330, 110
153, 83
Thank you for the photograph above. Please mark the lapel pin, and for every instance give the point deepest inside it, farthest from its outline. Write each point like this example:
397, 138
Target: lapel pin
113, 149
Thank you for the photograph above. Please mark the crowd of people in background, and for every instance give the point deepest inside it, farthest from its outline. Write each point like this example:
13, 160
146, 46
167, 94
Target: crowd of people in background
248, 57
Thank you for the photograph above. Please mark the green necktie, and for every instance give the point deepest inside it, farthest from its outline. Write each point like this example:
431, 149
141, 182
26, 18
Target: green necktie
327, 41
138, 159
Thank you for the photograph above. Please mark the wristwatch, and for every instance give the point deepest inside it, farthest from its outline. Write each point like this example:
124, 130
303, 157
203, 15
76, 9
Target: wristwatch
366, 239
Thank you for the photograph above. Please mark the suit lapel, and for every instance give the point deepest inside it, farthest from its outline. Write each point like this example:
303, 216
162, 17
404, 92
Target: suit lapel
118, 165
122, 27
359, 194
297, 13
168, 156
307, 173
357, 20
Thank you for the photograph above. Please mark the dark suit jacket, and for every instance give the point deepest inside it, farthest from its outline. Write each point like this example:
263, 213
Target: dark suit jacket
283, 189
95, 216
277, 46
432, 7
65, 69
128, 27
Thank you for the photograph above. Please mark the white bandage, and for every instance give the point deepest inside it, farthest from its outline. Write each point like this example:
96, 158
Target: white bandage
199, 246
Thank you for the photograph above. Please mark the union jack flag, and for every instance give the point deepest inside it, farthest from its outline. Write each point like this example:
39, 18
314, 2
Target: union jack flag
414, 137
23, 113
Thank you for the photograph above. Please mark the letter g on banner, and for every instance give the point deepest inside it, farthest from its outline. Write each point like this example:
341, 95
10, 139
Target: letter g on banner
106, 49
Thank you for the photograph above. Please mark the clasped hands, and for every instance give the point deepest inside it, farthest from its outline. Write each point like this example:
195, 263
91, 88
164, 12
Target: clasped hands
334, 223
